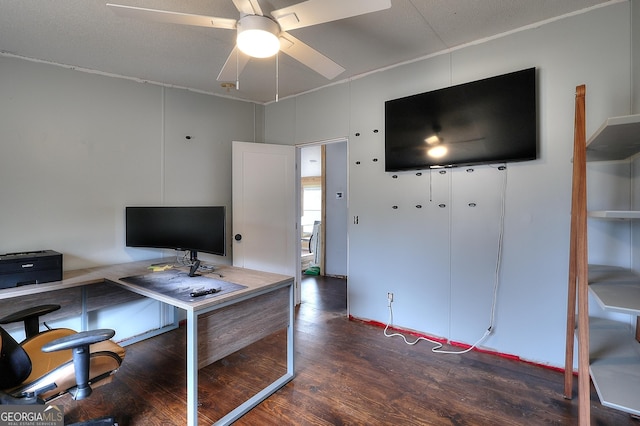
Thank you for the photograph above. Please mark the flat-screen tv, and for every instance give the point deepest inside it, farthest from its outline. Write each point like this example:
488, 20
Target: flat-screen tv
488, 121
180, 228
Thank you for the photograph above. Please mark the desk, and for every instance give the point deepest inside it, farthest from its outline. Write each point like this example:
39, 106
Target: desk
216, 326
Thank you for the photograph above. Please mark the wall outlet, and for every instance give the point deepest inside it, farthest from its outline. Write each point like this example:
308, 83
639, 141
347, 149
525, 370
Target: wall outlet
390, 297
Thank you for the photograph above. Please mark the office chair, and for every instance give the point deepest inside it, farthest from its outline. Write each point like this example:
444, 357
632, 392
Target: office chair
53, 362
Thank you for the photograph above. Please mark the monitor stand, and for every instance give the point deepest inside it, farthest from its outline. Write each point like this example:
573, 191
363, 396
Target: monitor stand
193, 258
194, 268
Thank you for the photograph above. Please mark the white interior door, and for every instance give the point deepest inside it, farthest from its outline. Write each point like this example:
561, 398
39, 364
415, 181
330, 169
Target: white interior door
264, 228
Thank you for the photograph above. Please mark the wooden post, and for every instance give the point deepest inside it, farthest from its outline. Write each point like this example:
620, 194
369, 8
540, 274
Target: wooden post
584, 380
579, 268
571, 297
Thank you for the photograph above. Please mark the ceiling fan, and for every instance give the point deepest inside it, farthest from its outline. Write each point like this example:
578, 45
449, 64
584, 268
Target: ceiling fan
261, 36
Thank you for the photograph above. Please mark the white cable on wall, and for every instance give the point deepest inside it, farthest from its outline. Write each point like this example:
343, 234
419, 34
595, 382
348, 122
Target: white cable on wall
496, 285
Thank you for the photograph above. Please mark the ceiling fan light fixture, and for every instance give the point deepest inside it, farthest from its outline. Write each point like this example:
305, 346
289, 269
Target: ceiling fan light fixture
258, 36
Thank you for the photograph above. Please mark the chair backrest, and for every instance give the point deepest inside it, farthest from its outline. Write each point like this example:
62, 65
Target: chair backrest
15, 365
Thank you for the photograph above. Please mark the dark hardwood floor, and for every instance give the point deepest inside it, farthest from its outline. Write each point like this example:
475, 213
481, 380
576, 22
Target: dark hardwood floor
347, 373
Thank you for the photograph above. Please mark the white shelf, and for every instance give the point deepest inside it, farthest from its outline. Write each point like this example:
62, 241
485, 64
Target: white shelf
614, 354
617, 139
608, 273
615, 289
615, 364
615, 214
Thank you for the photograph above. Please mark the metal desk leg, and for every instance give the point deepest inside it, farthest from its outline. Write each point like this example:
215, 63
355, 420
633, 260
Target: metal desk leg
278, 383
192, 368
290, 333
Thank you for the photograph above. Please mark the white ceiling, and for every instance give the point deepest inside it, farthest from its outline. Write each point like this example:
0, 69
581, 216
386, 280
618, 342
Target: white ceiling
310, 161
85, 34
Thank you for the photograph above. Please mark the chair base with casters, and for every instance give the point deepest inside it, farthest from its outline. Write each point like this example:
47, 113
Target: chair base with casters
104, 421
51, 363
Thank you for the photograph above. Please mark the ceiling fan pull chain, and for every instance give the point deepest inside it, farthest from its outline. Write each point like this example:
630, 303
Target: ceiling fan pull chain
237, 69
277, 74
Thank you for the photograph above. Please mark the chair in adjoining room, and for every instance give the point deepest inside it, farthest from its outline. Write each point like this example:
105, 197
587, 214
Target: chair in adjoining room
53, 362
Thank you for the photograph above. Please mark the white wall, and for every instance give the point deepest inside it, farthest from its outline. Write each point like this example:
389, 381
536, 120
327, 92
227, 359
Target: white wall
635, 167
440, 261
336, 209
635, 54
76, 148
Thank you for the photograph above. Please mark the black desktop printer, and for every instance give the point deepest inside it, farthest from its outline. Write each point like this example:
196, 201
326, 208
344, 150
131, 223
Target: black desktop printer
32, 267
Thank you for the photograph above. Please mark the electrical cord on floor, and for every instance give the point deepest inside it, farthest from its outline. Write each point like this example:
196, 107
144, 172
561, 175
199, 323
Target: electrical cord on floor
438, 346
496, 285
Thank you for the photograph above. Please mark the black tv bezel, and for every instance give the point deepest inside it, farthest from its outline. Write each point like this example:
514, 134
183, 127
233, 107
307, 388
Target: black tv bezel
527, 78
166, 243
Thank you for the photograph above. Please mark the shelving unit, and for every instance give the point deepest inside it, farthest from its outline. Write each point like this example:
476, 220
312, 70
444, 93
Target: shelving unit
608, 350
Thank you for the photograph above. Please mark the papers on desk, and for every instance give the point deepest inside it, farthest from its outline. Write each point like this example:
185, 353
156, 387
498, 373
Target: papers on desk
158, 268
178, 284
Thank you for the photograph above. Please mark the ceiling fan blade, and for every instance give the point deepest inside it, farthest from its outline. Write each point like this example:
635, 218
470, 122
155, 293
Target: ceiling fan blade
171, 17
309, 56
313, 12
248, 7
233, 66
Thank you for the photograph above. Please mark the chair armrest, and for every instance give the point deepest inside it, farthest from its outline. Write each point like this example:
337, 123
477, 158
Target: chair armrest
28, 313
77, 340
30, 316
79, 343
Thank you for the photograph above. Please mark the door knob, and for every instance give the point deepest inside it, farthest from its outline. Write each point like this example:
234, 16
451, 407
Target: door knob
237, 237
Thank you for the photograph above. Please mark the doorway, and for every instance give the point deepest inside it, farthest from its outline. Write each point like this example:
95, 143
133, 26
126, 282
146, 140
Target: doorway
323, 207
312, 182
